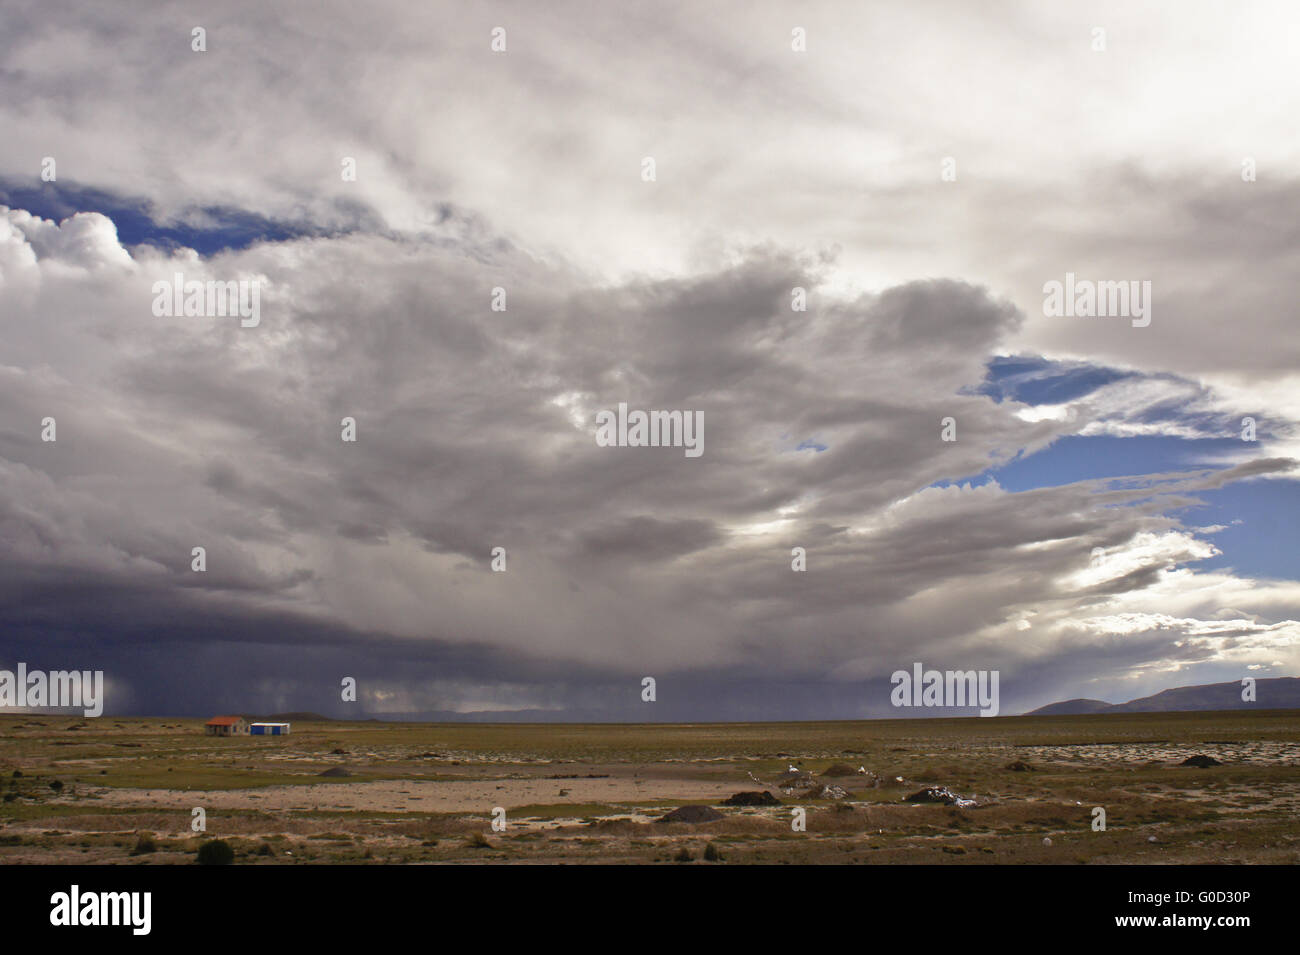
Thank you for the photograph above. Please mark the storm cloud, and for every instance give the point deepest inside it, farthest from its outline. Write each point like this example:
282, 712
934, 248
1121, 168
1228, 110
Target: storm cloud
780, 179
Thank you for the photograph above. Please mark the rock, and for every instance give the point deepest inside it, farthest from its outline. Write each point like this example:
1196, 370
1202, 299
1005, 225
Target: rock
1047, 840
1019, 766
1200, 761
692, 814
751, 798
955, 850
335, 771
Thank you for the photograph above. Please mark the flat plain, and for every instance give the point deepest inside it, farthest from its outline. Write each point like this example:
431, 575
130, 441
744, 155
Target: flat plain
125, 791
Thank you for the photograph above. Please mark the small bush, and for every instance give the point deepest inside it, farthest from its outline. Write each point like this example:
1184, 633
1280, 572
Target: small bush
478, 841
684, 855
712, 853
216, 852
144, 845
265, 849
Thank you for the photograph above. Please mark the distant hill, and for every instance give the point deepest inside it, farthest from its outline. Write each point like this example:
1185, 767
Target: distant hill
1278, 693
1073, 708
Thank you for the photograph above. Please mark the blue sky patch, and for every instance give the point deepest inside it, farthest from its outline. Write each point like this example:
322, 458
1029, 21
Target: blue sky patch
1263, 544
1039, 381
222, 229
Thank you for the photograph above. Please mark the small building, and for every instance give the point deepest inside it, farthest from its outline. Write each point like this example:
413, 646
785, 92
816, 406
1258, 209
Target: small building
269, 729
227, 726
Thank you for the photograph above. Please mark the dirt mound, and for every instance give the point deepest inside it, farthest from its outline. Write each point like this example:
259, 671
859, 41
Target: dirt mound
1200, 761
825, 791
692, 814
335, 771
939, 794
752, 799
838, 769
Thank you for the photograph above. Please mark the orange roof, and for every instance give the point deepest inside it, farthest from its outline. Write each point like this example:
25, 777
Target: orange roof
224, 720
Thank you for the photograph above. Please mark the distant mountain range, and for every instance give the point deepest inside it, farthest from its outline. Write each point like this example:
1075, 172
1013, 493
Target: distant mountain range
1279, 693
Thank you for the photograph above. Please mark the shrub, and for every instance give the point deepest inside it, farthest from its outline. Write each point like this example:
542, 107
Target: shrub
684, 855
712, 853
216, 852
144, 845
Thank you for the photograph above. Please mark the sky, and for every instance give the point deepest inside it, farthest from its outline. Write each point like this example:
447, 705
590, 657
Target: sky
1097, 528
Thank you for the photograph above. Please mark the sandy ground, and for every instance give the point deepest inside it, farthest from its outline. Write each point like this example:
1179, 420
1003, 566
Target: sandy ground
469, 796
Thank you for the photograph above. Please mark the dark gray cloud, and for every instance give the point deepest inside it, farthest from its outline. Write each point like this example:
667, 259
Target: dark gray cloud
776, 171
476, 430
